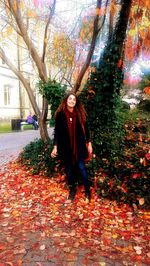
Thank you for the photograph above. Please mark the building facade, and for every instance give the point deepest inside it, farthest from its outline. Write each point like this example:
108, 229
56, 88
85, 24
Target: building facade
14, 101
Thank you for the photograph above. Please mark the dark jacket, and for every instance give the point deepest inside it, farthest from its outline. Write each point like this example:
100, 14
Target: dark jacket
62, 140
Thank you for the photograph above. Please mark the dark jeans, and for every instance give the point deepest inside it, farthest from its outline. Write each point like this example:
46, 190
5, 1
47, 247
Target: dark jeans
34, 123
70, 173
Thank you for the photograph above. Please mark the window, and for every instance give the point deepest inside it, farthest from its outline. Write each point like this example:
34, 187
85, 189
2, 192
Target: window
6, 94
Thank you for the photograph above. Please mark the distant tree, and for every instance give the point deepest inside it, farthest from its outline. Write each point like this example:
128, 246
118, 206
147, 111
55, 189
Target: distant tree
20, 21
16, 17
61, 56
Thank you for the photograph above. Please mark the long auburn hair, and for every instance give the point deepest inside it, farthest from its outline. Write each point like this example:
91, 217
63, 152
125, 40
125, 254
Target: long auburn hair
79, 107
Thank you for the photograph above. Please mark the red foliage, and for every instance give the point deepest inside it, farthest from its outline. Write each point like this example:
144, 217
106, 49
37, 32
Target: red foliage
147, 90
37, 222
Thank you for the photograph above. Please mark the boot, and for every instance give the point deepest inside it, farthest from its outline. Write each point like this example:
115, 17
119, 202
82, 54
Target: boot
72, 194
87, 195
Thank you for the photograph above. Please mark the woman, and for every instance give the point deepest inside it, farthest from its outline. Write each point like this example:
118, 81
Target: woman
31, 120
71, 141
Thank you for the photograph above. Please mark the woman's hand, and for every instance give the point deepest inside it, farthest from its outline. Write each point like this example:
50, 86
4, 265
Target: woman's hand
54, 152
89, 148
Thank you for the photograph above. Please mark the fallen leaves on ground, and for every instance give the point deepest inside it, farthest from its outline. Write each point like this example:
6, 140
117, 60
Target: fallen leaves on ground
38, 225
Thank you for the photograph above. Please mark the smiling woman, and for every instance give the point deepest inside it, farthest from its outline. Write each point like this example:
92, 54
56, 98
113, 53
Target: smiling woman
72, 141
71, 102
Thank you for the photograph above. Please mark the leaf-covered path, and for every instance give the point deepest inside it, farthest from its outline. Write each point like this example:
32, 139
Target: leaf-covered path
38, 227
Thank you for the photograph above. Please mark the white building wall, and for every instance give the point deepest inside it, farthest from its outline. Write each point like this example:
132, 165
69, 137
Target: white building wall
19, 56
11, 109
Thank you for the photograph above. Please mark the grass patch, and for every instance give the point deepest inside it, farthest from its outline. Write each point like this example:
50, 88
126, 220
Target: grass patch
5, 127
26, 127
134, 116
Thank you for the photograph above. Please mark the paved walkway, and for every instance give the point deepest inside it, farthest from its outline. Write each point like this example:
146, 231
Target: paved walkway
11, 144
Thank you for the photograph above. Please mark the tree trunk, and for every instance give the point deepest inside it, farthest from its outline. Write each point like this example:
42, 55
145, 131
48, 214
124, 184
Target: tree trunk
121, 27
43, 130
103, 87
110, 64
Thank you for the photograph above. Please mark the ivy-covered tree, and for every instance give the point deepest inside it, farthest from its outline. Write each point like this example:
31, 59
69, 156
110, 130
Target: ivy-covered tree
103, 87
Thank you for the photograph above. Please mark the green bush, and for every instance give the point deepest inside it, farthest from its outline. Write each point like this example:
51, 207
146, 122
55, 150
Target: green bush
137, 120
145, 81
129, 180
54, 92
36, 157
144, 106
124, 106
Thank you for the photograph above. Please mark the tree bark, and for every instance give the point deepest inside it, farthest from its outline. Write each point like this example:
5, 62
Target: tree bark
117, 37
114, 52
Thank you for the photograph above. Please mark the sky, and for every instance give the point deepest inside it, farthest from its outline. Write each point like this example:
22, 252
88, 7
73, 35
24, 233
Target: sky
70, 10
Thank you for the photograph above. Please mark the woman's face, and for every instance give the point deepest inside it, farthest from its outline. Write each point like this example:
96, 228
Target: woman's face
71, 101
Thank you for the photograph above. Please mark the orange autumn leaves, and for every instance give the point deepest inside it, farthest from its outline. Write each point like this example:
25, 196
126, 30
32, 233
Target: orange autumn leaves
63, 51
138, 36
36, 220
147, 90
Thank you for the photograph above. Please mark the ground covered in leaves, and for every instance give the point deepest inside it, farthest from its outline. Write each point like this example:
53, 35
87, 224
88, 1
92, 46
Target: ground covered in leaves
39, 227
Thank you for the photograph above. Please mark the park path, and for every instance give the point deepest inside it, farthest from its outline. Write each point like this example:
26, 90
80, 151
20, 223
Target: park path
11, 144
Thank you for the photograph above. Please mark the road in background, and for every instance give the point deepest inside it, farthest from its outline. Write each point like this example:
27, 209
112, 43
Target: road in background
11, 144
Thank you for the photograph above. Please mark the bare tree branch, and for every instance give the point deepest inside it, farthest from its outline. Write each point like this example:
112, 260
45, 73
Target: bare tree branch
63, 78
52, 10
9, 17
103, 21
15, 10
96, 30
24, 81
92, 47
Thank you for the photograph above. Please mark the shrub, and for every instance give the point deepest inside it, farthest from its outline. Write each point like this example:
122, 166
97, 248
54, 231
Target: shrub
128, 179
145, 82
54, 92
36, 156
144, 106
